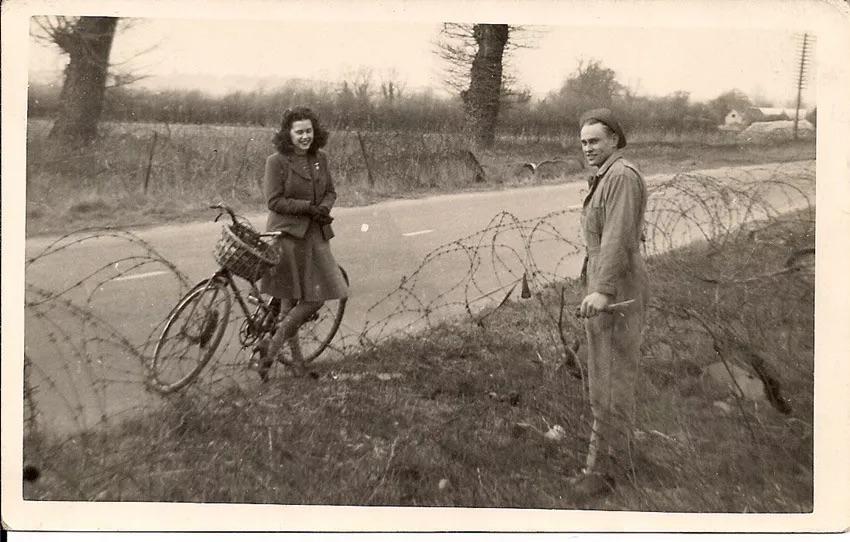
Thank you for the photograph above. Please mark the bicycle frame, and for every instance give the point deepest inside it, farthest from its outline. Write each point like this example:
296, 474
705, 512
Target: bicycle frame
256, 320
181, 352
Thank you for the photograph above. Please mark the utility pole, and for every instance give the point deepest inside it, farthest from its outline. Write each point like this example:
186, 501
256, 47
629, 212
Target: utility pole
801, 77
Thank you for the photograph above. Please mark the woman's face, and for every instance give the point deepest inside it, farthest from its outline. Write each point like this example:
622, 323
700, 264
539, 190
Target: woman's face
301, 134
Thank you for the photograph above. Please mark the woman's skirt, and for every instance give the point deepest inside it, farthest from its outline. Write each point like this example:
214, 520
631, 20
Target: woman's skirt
307, 270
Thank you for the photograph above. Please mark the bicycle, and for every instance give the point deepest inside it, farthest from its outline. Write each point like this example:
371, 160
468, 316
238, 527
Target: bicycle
195, 326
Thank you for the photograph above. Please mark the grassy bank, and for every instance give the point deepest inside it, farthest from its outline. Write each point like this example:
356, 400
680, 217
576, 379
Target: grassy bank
456, 416
141, 174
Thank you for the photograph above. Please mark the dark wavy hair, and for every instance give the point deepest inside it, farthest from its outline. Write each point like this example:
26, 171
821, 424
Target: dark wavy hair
283, 142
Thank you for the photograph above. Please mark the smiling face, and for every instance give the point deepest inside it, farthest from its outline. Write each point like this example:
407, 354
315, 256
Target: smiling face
597, 142
301, 134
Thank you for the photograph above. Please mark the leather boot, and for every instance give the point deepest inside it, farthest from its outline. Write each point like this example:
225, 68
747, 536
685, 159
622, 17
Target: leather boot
271, 350
260, 359
299, 366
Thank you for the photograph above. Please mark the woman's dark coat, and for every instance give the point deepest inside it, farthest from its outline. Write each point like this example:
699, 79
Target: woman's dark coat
291, 185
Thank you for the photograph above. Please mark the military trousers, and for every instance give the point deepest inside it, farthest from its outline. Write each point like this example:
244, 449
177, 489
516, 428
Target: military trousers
613, 356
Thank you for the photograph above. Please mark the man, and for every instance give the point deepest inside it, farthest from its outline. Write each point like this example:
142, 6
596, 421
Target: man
612, 224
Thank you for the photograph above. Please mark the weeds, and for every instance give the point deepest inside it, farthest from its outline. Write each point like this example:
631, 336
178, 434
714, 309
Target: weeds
443, 397
148, 173
454, 416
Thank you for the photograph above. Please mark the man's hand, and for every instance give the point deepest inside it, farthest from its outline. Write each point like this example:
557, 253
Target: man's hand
594, 303
318, 210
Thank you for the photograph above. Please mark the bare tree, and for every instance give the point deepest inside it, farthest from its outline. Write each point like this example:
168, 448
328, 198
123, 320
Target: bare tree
726, 102
592, 83
475, 56
88, 42
354, 97
392, 86
457, 48
361, 81
483, 98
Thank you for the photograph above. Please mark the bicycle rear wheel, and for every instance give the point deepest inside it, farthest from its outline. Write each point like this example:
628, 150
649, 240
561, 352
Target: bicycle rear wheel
191, 335
316, 334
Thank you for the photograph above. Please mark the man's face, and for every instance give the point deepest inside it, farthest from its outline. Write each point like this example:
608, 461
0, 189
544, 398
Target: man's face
597, 144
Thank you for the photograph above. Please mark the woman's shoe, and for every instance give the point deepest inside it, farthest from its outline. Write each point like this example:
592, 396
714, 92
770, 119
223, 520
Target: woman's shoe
299, 366
260, 360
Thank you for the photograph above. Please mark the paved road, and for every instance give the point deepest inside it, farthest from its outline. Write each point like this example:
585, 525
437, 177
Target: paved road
377, 244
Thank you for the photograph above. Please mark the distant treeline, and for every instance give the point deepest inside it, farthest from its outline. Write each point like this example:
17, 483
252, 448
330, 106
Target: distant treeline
351, 108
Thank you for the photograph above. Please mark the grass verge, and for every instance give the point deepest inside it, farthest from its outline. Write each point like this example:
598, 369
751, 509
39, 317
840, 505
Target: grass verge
456, 416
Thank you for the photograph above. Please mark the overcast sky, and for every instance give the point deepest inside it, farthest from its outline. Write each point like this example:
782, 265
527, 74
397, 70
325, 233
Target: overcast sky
217, 56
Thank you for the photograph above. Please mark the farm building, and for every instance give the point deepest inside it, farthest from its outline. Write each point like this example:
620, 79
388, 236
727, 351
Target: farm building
777, 130
738, 119
779, 113
733, 118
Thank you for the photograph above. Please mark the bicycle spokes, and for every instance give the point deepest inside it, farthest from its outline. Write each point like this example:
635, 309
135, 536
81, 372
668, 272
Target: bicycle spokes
191, 335
201, 329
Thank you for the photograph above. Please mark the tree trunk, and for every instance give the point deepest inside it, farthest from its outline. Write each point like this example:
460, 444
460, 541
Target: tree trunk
483, 97
88, 45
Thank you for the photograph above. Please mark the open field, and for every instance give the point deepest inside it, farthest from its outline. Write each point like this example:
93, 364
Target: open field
455, 415
141, 174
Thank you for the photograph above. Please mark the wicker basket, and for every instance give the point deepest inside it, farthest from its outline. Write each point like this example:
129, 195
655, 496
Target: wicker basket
244, 253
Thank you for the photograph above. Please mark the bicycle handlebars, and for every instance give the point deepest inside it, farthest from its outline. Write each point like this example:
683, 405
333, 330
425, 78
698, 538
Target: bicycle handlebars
224, 208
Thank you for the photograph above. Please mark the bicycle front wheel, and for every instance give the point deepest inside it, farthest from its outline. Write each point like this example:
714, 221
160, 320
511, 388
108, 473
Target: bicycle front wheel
191, 335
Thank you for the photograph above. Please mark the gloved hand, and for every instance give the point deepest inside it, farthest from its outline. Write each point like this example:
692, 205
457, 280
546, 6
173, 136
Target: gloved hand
318, 210
323, 219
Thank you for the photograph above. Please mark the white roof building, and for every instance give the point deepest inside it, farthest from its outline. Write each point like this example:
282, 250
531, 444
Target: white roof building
776, 111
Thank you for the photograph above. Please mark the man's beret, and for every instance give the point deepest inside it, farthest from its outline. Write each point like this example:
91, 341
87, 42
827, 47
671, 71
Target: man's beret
606, 117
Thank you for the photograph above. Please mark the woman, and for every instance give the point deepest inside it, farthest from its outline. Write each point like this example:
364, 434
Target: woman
300, 194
